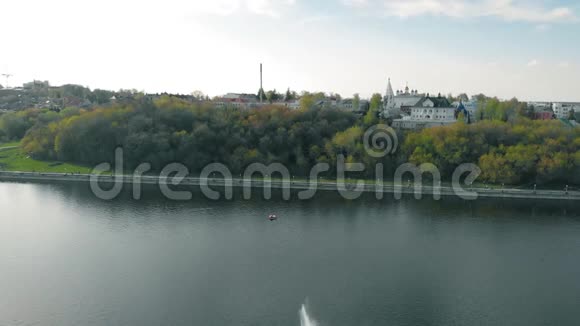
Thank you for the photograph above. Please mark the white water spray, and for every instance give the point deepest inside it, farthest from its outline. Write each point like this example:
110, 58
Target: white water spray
305, 319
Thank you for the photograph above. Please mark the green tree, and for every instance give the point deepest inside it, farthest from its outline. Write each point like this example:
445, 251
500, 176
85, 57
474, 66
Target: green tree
261, 95
372, 116
14, 125
99, 96
306, 101
290, 95
273, 96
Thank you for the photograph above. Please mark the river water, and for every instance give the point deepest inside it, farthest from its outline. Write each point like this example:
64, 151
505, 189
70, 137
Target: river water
68, 258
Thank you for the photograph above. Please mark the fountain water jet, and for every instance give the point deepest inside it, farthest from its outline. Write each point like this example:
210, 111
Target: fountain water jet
305, 319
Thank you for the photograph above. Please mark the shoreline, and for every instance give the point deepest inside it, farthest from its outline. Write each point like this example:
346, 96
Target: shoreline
427, 191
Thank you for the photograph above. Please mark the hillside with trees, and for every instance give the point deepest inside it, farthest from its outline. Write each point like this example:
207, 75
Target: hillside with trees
519, 152
509, 148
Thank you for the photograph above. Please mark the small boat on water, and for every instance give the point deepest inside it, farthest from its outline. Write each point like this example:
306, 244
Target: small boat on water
272, 217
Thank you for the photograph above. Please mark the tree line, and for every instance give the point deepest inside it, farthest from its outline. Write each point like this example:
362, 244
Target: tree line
508, 147
522, 151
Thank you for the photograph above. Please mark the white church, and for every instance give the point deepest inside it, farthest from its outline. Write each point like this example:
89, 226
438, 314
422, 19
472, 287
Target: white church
410, 109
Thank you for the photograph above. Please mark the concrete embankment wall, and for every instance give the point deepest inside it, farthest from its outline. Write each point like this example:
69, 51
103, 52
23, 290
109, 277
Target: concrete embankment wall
427, 191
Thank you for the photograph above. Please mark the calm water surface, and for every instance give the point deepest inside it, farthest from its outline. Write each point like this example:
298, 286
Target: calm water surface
67, 258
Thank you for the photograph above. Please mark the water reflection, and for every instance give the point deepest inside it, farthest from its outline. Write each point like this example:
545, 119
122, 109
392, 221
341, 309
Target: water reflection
69, 258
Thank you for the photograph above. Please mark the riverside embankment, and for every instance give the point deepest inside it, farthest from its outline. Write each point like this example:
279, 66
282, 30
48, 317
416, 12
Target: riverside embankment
295, 185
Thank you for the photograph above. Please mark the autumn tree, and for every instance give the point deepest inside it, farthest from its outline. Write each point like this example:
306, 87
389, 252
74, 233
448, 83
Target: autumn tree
371, 117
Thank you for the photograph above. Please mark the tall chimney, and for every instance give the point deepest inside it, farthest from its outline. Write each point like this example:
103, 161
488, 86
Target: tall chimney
261, 86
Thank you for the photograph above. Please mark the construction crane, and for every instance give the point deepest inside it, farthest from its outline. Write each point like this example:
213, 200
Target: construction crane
7, 76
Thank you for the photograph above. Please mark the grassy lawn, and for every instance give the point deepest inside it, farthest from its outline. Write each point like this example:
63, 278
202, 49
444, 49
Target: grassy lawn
9, 145
12, 159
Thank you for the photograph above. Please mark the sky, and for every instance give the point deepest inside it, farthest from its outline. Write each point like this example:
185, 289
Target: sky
505, 48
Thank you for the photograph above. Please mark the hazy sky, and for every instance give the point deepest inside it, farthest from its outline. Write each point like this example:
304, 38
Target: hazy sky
528, 49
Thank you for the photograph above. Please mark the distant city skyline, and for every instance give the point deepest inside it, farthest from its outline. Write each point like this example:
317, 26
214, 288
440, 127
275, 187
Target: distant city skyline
502, 48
